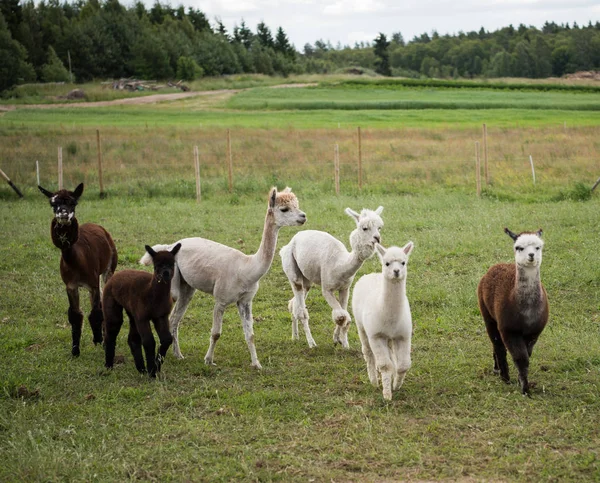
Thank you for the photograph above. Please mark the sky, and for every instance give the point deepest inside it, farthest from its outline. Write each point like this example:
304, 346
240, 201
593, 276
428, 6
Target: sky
350, 21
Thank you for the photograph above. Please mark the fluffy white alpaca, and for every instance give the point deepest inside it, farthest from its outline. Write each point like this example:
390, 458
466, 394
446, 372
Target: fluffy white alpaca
228, 274
316, 257
382, 315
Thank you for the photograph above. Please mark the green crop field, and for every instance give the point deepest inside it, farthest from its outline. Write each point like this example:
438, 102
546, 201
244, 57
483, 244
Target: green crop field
310, 414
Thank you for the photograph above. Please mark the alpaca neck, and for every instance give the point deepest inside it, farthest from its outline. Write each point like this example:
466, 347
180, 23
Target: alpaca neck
355, 258
159, 288
528, 286
261, 261
393, 295
65, 236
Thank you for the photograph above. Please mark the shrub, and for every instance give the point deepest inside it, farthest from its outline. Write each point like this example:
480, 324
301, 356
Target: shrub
188, 69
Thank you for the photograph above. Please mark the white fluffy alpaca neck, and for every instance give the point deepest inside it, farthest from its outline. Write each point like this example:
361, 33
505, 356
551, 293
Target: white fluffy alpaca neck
393, 295
261, 261
348, 266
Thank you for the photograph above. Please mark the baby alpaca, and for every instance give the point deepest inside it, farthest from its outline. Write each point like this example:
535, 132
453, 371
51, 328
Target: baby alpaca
383, 318
144, 297
514, 305
316, 257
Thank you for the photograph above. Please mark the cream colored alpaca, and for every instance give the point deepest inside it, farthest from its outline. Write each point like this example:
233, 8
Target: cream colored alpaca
228, 274
383, 319
316, 257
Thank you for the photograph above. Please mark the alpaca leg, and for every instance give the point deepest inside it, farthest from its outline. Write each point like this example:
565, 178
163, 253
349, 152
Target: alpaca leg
185, 293
95, 317
245, 311
215, 332
112, 324
368, 356
518, 350
340, 334
340, 316
149, 344
297, 305
385, 364
135, 344
402, 362
166, 339
500, 363
75, 319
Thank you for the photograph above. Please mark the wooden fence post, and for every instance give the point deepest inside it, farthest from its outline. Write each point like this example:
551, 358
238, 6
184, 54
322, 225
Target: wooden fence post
477, 169
485, 156
100, 181
229, 156
60, 169
359, 160
197, 169
532, 168
37, 172
336, 166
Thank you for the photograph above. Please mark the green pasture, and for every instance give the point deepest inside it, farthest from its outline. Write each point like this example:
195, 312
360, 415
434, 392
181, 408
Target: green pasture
309, 414
410, 98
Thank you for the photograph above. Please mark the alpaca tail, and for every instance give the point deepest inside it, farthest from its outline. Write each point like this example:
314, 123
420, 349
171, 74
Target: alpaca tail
147, 259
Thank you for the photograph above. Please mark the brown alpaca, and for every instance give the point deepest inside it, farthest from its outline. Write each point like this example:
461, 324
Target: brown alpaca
145, 297
88, 252
514, 305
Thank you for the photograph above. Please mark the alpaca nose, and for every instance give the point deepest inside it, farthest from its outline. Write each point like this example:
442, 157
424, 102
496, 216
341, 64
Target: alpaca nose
396, 273
377, 238
302, 217
531, 255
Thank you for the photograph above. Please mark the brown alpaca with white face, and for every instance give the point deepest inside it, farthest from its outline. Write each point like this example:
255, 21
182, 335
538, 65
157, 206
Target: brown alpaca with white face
514, 305
87, 252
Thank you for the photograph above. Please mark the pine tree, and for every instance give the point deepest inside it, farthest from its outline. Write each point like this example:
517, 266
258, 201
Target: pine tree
383, 57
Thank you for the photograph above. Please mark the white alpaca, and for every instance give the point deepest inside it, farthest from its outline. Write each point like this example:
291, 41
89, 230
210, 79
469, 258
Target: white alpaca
383, 318
316, 257
228, 274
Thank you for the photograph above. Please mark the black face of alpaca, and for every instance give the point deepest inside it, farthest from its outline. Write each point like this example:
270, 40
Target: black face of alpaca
63, 203
164, 263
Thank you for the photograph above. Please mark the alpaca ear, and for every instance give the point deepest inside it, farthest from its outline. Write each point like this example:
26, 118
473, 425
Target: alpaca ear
272, 197
150, 250
379, 210
78, 191
175, 249
539, 233
380, 251
287, 190
511, 234
352, 214
46, 192
408, 248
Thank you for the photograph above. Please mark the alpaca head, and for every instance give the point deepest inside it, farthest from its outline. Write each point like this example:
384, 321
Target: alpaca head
63, 202
394, 261
528, 248
368, 230
164, 263
285, 208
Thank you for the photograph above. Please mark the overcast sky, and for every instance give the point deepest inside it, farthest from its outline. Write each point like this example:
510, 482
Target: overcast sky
350, 21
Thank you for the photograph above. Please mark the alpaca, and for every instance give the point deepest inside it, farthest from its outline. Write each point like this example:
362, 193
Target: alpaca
145, 297
227, 274
316, 257
87, 252
383, 319
514, 305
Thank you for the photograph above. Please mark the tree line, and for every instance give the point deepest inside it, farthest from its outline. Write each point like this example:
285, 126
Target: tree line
93, 39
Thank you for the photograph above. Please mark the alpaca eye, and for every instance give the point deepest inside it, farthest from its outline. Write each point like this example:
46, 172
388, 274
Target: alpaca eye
365, 229
285, 210
403, 263
387, 264
519, 249
537, 248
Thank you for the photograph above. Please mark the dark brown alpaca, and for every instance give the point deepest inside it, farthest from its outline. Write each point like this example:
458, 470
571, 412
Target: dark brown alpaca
514, 305
145, 297
88, 252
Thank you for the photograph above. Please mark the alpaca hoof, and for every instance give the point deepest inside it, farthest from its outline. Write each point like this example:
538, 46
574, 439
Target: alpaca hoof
75, 351
256, 366
312, 344
387, 396
208, 362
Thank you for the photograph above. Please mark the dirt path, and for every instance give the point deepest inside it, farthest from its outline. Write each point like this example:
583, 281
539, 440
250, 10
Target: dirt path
152, 99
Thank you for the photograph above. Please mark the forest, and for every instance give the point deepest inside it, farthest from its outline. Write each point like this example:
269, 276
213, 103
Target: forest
92, 39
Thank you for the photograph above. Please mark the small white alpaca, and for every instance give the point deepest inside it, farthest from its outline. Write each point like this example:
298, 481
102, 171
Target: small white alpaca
226, 273
316, 257
383, 318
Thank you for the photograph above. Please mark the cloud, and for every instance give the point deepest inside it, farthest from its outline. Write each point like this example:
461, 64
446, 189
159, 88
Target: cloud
352, 7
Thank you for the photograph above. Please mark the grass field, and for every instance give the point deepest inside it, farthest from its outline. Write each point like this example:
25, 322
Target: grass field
309, 414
